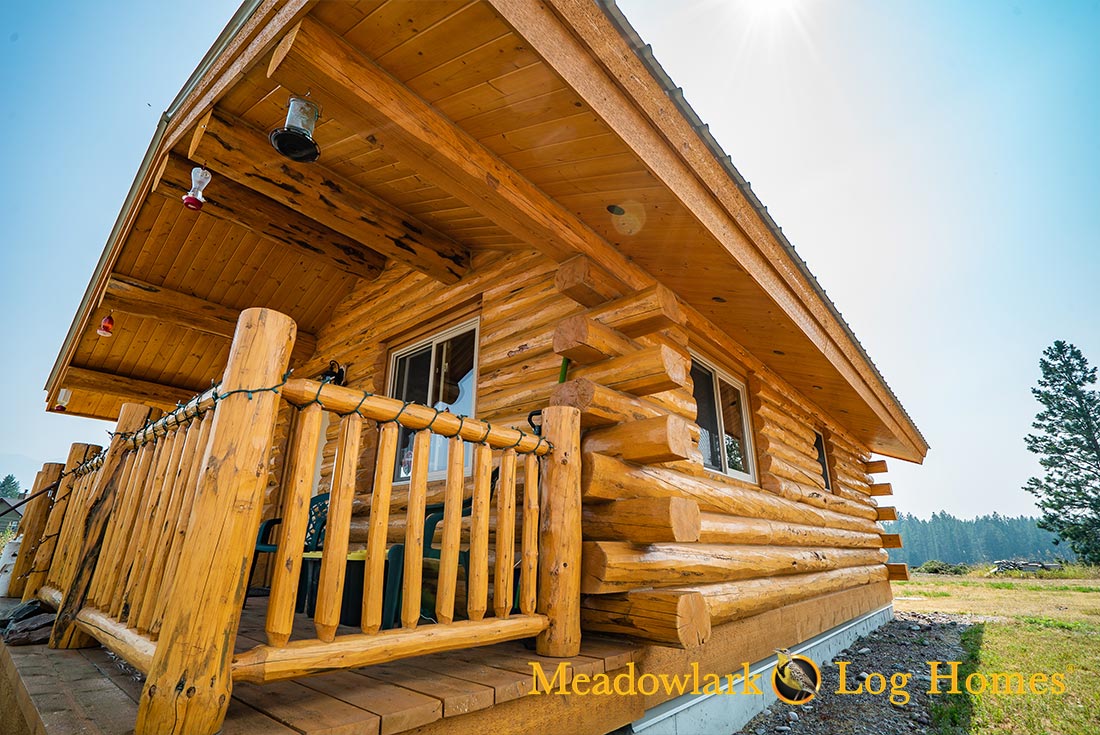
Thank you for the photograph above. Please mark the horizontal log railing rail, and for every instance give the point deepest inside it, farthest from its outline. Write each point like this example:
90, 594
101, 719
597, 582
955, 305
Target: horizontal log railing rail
150, 550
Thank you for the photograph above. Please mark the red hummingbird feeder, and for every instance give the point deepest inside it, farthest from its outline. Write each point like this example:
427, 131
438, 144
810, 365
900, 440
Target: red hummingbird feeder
106, 327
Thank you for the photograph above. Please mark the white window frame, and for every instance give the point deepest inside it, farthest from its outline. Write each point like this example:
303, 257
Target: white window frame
718, 374
433, 340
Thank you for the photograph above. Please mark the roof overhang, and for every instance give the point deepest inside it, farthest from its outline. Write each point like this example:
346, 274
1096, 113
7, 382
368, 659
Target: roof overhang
729, 260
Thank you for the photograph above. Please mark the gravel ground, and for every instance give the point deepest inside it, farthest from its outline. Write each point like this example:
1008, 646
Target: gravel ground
903, 645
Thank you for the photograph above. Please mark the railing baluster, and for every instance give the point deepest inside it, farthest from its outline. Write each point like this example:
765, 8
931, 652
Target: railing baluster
330, 588
183, 522
477, 588
452, 531
530, 560
118, 553
292, 531
153, 556
172, 498
506, 534
96, 589
374, 572
414, 531
134, 586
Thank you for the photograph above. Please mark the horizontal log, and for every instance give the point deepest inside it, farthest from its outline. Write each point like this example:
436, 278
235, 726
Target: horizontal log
615, 566
132, 647
643, 520
132, 389
600, 405
586, 282
770, 464
766, 413
665, 438
232, 202
585, 341
891, 540
842, 490
781, 450
875, 467
238, 151
133, 296
670, 617
299, 658
886, 513
882, 488
609, 478
413, 416
716, 528
649, 371
731, 601
776, 432
815, 496
897, 572
647, 311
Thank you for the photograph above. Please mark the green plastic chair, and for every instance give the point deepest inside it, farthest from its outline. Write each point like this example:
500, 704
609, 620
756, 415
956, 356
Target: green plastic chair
314, 540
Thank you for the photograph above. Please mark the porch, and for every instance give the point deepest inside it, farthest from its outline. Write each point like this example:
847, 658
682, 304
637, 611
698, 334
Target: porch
60, 692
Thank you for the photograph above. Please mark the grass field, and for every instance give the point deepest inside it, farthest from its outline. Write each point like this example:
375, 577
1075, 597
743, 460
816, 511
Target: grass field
1024, 625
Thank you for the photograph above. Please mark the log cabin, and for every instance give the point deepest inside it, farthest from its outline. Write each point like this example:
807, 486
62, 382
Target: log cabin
588, 395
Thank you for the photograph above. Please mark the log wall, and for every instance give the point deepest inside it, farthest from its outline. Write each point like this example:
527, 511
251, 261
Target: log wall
660, 570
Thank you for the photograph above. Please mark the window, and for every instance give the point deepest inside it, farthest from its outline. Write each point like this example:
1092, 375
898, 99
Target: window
440, 372
822, 459
725, 439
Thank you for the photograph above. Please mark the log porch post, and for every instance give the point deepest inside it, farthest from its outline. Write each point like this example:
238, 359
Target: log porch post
559, 590
189, 683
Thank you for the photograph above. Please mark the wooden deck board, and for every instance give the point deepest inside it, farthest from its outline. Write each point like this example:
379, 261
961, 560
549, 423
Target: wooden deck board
86, 691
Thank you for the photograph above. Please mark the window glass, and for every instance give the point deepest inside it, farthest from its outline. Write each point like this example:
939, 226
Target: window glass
707, 417
819, 445
733, 423
723, 422
442, 374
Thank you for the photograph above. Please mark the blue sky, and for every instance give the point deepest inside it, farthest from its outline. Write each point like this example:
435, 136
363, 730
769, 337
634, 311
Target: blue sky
936, 163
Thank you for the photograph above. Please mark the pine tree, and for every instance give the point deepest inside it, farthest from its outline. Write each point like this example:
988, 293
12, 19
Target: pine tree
9, 487
1068, 444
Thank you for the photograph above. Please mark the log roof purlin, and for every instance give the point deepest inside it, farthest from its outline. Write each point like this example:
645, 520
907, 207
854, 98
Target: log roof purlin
484, 126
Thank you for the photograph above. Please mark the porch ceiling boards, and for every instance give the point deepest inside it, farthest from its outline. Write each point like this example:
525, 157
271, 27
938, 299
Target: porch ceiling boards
564, 170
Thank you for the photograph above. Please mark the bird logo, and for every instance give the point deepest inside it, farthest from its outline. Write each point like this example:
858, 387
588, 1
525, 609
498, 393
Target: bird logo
796, 679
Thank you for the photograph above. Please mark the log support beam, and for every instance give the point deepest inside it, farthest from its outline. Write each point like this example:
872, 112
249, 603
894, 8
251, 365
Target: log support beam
240, 152
670, 617
229, 201
132, 389
132, 296
882, 488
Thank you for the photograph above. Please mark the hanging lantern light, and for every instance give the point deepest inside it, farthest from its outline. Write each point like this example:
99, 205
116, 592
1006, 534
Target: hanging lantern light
63, 397
106, 327
295, 139
200, 177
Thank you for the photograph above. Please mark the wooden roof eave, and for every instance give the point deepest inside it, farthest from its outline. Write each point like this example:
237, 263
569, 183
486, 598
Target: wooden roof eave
601, 57
249, 34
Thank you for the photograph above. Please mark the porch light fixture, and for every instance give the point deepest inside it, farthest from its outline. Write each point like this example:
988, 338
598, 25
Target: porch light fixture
106, 327
200, 177
295, 139
63, 397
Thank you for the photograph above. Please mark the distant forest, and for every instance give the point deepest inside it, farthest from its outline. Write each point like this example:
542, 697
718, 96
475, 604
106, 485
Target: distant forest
985, 538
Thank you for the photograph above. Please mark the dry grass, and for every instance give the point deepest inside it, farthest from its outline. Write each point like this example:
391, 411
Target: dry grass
1033, 625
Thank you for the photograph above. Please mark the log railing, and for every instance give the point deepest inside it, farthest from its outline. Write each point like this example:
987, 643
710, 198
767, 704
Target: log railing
489, 618
150, 550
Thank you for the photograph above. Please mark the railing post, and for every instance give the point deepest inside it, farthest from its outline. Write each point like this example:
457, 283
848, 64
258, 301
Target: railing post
188, 686
88, 524
32, 526
559, 593
43, 556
